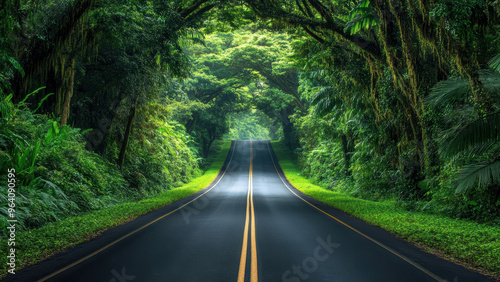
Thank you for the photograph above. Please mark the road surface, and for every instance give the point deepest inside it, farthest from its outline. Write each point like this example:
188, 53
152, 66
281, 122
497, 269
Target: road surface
249, 225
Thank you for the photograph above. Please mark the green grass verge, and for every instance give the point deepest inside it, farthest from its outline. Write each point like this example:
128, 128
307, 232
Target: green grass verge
39, 244
469, 243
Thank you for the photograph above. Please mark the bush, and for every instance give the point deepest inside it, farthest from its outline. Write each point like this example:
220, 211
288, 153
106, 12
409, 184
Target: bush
56, 177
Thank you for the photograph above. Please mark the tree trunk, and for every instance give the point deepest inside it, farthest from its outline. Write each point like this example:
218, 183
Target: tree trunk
39, 54
69, 93
191, 123
121, 156
481, 99
210, 141
289, 133
51, 87
347, 148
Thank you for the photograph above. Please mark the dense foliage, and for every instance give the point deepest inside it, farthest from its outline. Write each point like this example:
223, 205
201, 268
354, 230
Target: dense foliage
405, 99
245, 84
103, 67
57, 177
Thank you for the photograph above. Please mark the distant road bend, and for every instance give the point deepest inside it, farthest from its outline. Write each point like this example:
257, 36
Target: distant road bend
249, 225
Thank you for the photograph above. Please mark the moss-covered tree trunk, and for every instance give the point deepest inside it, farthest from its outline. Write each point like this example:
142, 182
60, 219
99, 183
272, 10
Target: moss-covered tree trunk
50, 61
126, 137
68, 93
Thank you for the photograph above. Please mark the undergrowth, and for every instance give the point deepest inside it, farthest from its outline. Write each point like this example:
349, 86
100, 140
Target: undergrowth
57, 177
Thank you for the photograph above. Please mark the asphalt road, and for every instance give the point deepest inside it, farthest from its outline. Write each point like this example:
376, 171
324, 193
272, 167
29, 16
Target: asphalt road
249, 225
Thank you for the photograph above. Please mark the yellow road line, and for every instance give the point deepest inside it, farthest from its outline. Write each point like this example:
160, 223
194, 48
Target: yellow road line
135, 231
243, 258
416, 265
244, 248
253, 274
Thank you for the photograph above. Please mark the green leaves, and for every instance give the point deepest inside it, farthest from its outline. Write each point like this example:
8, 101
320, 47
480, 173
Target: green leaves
457, 89
475, 139
7, 108
452, 90
233, 73
24, 157
459, 16
251, 124
361, 18
495, 62
16, 65
325, 101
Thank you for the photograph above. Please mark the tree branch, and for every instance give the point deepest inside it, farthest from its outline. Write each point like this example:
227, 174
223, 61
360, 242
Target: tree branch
267, 10
200, 12
313, 35
186, 12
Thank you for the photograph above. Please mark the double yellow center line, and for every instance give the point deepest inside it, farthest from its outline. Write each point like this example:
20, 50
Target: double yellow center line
250, 210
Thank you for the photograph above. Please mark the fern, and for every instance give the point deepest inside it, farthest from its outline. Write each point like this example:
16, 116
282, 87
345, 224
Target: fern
324, 101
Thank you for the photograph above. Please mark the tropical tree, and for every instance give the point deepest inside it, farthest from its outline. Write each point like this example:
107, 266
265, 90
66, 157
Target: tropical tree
471, 134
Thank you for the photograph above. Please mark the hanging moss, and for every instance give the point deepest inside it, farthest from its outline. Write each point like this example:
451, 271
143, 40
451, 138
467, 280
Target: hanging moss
47, 59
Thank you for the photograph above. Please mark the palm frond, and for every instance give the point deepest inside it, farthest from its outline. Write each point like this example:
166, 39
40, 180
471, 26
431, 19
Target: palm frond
491, 81
324, 101
495, 62
480, 174
478, 149
449, 91
482, 130
458, 89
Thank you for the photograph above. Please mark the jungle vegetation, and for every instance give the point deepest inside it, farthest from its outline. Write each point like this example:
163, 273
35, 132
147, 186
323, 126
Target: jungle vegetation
104, 102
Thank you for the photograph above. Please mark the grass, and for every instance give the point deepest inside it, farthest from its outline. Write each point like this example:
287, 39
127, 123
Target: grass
35, 245
472, 244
